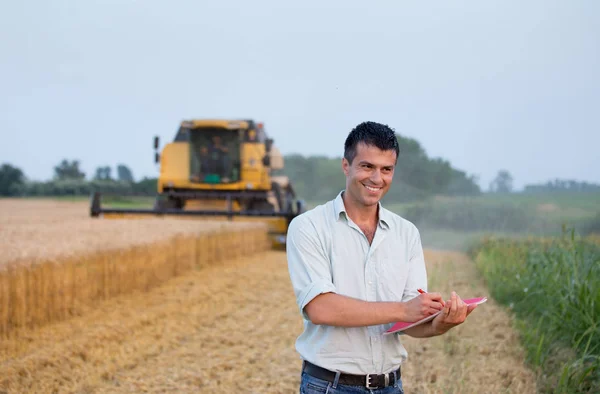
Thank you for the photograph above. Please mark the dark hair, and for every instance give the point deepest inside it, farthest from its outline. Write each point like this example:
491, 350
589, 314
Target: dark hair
370, 133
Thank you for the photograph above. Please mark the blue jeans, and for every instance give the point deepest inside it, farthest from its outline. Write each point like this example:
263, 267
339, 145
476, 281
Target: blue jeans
312, 385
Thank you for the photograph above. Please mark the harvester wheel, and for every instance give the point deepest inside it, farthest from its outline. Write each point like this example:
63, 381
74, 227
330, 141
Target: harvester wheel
170, 203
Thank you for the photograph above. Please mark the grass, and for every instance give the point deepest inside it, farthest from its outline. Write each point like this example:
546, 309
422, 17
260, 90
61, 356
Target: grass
112, 201
553, 288
57, 198
107, 201
127, 202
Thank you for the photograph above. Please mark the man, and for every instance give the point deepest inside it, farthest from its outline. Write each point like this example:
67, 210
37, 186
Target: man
219, 153
205, 163
356, 269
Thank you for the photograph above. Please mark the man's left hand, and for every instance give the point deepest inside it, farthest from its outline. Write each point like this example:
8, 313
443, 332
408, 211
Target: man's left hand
454, 313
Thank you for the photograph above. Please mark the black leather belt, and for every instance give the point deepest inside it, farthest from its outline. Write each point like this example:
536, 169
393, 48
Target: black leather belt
372, 381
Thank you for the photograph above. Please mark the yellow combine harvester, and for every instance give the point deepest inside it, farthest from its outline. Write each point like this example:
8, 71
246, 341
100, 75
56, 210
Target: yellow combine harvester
219, 169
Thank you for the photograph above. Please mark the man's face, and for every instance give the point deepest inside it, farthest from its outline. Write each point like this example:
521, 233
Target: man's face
369, 177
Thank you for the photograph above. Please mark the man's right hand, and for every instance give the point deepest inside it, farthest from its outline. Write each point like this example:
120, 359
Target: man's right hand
422, 306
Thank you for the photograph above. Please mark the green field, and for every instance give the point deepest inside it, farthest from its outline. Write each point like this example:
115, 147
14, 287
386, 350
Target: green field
127, 202
553, 288
457, 222
107, 201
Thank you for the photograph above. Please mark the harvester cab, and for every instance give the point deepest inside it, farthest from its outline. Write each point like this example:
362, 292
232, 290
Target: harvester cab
220, 169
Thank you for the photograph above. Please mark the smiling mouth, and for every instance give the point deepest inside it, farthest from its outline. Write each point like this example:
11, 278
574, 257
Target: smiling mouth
372, 189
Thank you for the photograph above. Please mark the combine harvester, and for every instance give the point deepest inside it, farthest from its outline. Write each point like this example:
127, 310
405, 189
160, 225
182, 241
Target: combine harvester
219, 169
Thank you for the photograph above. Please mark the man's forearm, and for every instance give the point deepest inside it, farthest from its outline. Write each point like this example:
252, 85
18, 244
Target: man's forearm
337, 310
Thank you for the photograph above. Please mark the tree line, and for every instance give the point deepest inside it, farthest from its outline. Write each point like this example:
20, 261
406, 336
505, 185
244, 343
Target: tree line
562, 185
69, 180
315, 178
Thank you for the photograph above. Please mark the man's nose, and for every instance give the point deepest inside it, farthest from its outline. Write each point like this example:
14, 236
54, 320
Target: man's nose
376, 176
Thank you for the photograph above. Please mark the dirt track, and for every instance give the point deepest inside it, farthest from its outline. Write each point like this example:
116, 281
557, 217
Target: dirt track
232, 327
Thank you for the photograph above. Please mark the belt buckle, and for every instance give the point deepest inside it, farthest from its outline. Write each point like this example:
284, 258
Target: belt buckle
368, 383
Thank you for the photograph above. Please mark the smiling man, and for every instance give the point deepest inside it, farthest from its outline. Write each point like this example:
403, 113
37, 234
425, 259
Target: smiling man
356, 269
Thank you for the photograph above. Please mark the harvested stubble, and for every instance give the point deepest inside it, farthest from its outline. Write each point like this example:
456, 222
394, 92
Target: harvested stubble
231, 328
57, 262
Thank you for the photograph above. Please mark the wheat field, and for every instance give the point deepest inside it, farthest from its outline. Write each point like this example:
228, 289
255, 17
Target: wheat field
230, 326
57, 262
35, 230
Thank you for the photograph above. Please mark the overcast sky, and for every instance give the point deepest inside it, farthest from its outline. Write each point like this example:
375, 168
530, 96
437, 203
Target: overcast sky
487, 85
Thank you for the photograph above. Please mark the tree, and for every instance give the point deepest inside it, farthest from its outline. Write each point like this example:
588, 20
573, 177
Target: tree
503, 183
11, 180
430, 175
146, 185
463, 185
103, 173
66, 170
124, 173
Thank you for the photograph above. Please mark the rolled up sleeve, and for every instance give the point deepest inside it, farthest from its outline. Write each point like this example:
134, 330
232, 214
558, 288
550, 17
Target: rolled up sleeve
308, 265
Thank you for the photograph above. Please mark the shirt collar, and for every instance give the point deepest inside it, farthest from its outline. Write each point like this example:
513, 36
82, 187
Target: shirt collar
338, 206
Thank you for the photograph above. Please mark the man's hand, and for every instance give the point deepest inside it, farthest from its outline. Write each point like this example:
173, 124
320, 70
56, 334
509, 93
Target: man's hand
422, 306
455, 312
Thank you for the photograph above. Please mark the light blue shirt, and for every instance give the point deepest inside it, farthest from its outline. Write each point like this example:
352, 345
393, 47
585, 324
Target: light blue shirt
327, 252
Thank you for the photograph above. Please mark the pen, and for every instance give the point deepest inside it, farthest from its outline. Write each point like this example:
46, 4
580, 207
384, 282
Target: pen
423, 292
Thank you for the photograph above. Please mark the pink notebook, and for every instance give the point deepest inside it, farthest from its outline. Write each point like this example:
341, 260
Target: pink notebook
401, 326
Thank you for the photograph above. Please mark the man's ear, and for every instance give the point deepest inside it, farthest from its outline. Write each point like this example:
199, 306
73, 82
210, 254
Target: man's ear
345, 166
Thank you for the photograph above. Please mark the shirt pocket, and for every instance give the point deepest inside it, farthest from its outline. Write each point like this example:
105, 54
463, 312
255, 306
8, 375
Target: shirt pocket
393, 275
